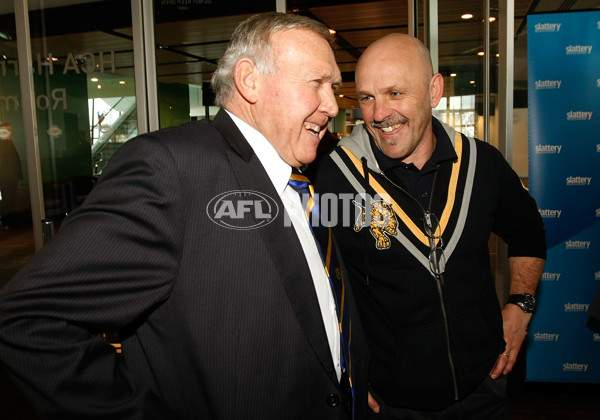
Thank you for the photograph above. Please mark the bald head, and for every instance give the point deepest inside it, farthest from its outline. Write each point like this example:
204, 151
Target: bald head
400, 50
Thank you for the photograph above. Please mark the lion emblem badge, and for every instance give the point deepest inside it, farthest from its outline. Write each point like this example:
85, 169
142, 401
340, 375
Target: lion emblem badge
383, 222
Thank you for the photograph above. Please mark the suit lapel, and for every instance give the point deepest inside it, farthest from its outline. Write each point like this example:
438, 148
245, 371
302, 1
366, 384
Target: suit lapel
281, 242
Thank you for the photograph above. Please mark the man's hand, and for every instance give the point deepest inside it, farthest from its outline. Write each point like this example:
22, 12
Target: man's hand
374, 405
525, 273
515, 331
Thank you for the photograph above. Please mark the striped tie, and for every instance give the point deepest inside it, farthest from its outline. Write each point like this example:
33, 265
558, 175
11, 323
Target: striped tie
324, 240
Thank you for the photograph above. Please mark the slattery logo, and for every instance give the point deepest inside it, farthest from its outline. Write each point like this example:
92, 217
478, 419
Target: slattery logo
579, 115
546, 276
547, 27
578, 181
578, 245
548, 149
577, 307
544, 336
579, 49
548, 84
575, 367
550, 213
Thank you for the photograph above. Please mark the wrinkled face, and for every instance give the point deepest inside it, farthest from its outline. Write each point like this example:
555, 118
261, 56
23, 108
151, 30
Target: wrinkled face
395, 97
296, 103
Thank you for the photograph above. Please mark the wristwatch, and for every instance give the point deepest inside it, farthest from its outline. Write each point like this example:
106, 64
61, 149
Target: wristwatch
524, 301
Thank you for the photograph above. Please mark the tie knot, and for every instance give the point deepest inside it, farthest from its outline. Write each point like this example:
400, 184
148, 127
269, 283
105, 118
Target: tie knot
300, 183
305, 190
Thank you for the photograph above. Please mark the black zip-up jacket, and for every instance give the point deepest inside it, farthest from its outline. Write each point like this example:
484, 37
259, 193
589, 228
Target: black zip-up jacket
432, 340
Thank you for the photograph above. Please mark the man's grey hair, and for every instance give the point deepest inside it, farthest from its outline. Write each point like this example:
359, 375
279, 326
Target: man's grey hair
251, 39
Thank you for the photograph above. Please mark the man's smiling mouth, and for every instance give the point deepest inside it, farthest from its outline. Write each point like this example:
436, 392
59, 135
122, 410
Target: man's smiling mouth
314, 128
389, 125
391, 128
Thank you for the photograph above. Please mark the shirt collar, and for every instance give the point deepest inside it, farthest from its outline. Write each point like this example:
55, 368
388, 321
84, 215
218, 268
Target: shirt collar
277, 169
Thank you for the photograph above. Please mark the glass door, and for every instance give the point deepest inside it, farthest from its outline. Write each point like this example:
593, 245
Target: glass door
462, 57
83, 91
16, 233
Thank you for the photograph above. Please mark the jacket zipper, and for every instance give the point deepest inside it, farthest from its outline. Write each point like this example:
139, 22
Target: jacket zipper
439, 283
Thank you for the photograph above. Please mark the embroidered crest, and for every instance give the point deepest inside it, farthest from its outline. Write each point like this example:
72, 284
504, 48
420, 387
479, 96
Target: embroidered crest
383, 222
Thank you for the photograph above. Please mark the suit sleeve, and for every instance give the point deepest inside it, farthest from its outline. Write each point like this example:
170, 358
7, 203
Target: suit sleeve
112, 262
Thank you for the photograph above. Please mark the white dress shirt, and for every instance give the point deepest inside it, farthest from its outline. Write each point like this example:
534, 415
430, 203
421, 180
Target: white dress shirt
279, 172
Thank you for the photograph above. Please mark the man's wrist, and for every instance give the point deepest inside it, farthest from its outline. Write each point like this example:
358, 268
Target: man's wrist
525, 301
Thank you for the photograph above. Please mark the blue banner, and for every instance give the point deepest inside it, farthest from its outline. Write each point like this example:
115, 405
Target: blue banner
564, 177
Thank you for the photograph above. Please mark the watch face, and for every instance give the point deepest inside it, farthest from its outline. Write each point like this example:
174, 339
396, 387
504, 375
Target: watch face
529, 302
525, 301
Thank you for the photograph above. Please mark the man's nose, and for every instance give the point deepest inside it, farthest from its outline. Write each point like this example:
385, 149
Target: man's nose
381, 109
329, 104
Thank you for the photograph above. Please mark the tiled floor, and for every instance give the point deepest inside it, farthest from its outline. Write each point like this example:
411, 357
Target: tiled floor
528, 401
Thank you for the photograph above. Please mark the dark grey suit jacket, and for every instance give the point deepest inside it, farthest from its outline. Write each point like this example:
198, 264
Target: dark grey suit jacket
215, 323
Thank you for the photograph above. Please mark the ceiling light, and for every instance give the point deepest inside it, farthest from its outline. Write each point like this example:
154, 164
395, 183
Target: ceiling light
466, 16
452, 74
121, 82
99, 86
481, 53
94, 79
472, 82
492, 19
332, 31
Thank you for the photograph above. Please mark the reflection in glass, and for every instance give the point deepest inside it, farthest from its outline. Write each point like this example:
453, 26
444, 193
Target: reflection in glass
85, 95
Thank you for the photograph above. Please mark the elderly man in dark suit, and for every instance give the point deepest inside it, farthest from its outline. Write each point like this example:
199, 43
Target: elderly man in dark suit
197, 252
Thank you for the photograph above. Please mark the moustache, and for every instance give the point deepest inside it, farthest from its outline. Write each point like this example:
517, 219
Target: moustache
388, 122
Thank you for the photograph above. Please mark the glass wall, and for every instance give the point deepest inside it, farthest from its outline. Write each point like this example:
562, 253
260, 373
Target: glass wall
14, 200
83, 94
83, 77
190, 38
462, 63
16, 235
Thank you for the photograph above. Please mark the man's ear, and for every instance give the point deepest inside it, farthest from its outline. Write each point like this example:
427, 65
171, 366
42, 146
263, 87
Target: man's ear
436, 89
245, 76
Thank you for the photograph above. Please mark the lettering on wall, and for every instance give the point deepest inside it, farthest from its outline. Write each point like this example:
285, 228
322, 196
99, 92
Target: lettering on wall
84, 62
72, 63
57, 99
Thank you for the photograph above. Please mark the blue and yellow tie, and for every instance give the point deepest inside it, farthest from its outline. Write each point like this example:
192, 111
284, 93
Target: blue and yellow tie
323, 238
